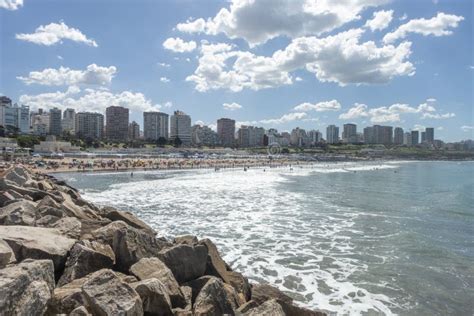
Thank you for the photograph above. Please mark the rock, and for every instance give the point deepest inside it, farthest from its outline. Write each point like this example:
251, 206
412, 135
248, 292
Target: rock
86, 257
129, 244
213, 299
6, 254
246, 307
148, 268
234, 299
188, 296
196, 285
67, 297
270, 307
6, 197
154, 296
182, 312
38, 243
20, 212
26, 288
69, 226
265, 292
186, 262
89, 225
44, 186
127, 217
293, 310
107, 295
16, 175
80, 311
186, 239
217, 267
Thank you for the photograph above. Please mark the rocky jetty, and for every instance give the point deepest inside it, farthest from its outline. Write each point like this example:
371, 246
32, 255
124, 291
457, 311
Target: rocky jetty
60, 254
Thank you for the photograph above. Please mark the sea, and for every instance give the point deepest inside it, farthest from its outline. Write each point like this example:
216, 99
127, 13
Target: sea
353, 238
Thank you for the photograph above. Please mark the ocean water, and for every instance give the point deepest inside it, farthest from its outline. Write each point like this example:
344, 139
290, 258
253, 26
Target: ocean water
350, 238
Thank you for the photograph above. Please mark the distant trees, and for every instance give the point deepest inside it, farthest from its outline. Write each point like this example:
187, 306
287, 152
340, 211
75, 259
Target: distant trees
177, 142
161, 142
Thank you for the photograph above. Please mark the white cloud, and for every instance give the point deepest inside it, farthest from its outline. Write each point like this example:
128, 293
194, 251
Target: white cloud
89, 100
437, 26
199, 122
467, 128
403, 17
285, 118
440, 128
339, 58
357, 111
59, 57
381, 19
260, 21
164, 80
164, 65
54, 33
167, 104
431, 100
298, 79
11, 4
231, 106
177, 45
437, 116
418, 127
332, 105
92, 75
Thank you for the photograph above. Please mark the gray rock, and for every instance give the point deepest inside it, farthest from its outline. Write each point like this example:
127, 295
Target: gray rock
80, 311
38, 243
188, 296
26, 288
69, 226
217, 267
182, 312
293, 310
16, 175
20, 212
186, 262
6, 197
186, 239
127, 217
6, 254
129, 244
213, 299
154, 296
265, 292
148, 268
86, 257
246, 307
270, 307
67, 297
106, 294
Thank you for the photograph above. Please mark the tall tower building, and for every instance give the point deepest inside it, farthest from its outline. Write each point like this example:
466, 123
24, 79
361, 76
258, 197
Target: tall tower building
226, 131
398, 136
180, 127
133, 131
429, 134
89, 125
415, 138
55, 122
349, 133
155, 125
116, 126
332, 134
69, 121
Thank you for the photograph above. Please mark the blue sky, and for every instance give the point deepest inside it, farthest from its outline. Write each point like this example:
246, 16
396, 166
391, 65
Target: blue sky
270, 63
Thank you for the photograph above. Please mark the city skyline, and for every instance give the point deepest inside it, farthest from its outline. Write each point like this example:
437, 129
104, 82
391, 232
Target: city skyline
76, 64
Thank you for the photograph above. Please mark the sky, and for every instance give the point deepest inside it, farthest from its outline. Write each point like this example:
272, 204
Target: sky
271, 63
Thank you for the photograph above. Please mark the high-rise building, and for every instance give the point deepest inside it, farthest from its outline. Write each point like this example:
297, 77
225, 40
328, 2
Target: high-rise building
180, 127
298, 137
155, 125
226, 131
349, 134
55, 122
15, 116
423, 137
315, 137
429, 135
332, 134
204, 136
133, 131
415, 138
369, 135
243, 136
398, 136
40, 123
89, 125
69, 121
116, 126
407, 139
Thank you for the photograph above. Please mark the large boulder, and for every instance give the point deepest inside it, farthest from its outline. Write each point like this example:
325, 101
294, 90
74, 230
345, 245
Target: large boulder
80, 311
265, 292
16, 175
129, 244
106, 294
127, 217
38, 243
87, 257
213, 299
186, 239
20, 212
148, 268
26, 288
6, 254
154, 296
270, 307
185, 261
68, 297
69, 226
217, 267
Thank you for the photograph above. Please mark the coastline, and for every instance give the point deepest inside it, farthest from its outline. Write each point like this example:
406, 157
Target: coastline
63, 254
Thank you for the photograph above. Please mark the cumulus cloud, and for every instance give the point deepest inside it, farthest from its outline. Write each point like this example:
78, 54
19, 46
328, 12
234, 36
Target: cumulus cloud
89, 100
164, 65
231, 106
340, 58
11, 4
392, 113
164, 80
290, 117
177, 45
54, 33
467, 128
332, 105
380, 20
256, 23
92, 75
440, 25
